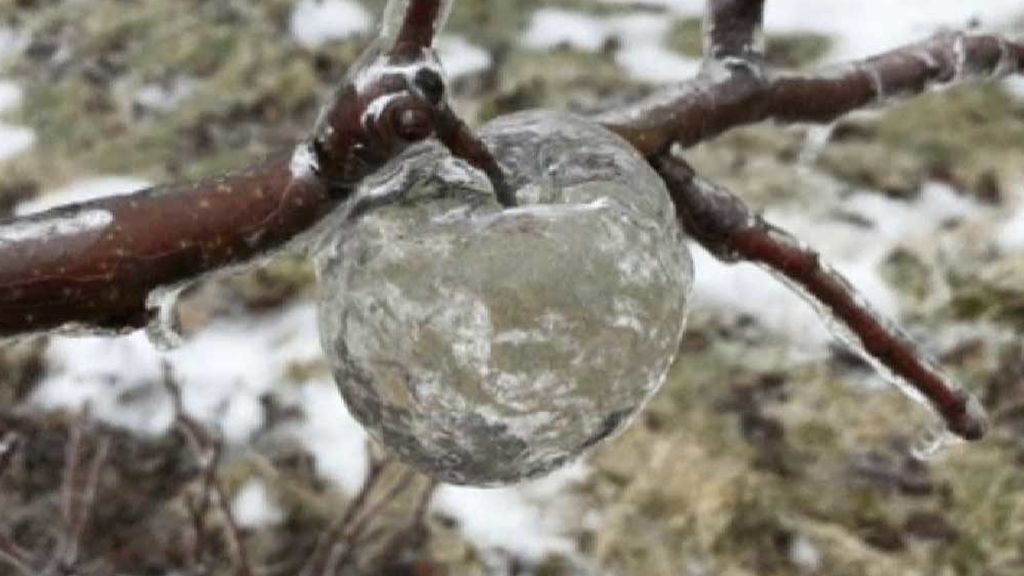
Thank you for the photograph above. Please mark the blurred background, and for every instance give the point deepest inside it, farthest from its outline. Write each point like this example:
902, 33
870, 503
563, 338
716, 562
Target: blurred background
768, 451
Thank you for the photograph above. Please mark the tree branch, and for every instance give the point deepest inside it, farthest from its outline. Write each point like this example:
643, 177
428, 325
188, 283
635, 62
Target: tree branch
423, 19
94, 265
708, 106
78, 493
722, 223
207, 448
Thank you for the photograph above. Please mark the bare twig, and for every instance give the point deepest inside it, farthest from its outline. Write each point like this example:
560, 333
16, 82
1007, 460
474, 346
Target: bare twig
708, 106
10, 553
16, 557
207, 448
353, 538
78, 493
328, 541
720, 221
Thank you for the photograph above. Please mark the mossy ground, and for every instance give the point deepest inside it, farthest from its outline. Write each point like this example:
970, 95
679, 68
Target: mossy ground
747, 462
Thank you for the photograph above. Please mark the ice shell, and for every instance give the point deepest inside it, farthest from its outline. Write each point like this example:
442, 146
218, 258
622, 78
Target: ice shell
487, 346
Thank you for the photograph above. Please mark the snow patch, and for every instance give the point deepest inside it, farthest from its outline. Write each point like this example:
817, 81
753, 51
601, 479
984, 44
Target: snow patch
223, 373
524, 520
642, 52
336, 441
460, 58
315, 22
1010, 236
10, 95
15, 140
254, 508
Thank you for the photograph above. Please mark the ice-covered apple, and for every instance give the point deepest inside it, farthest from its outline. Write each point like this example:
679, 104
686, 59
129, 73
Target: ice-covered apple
487, 345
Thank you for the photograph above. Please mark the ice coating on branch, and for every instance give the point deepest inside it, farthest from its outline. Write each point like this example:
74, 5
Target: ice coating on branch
485, 346
73, 223
937, 436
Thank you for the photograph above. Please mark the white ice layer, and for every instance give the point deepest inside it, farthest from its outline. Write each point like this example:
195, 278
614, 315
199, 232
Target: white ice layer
81, 192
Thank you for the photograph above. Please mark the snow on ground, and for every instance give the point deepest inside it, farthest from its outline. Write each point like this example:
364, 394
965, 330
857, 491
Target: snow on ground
315, 22
254, 508
1010, 234
13, 139
336, 440
10, 95
524, 520
460, 58
223, 372
642, 53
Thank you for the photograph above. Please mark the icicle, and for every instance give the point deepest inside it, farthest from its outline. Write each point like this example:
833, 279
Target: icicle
164, 329
816, 139
933, 442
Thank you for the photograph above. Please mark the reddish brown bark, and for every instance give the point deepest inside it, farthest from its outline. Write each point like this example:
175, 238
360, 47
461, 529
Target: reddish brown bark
100, 275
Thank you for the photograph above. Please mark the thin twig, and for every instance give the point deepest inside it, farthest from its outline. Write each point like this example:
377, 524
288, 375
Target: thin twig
78, 492
327, 541
207, 448
353, 539
10, 552
16, 556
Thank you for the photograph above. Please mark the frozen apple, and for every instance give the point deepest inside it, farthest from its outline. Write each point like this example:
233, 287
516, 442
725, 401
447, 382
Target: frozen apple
486, 345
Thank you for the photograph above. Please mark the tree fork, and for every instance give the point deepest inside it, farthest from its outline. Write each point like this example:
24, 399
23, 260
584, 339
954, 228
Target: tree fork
94, 265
